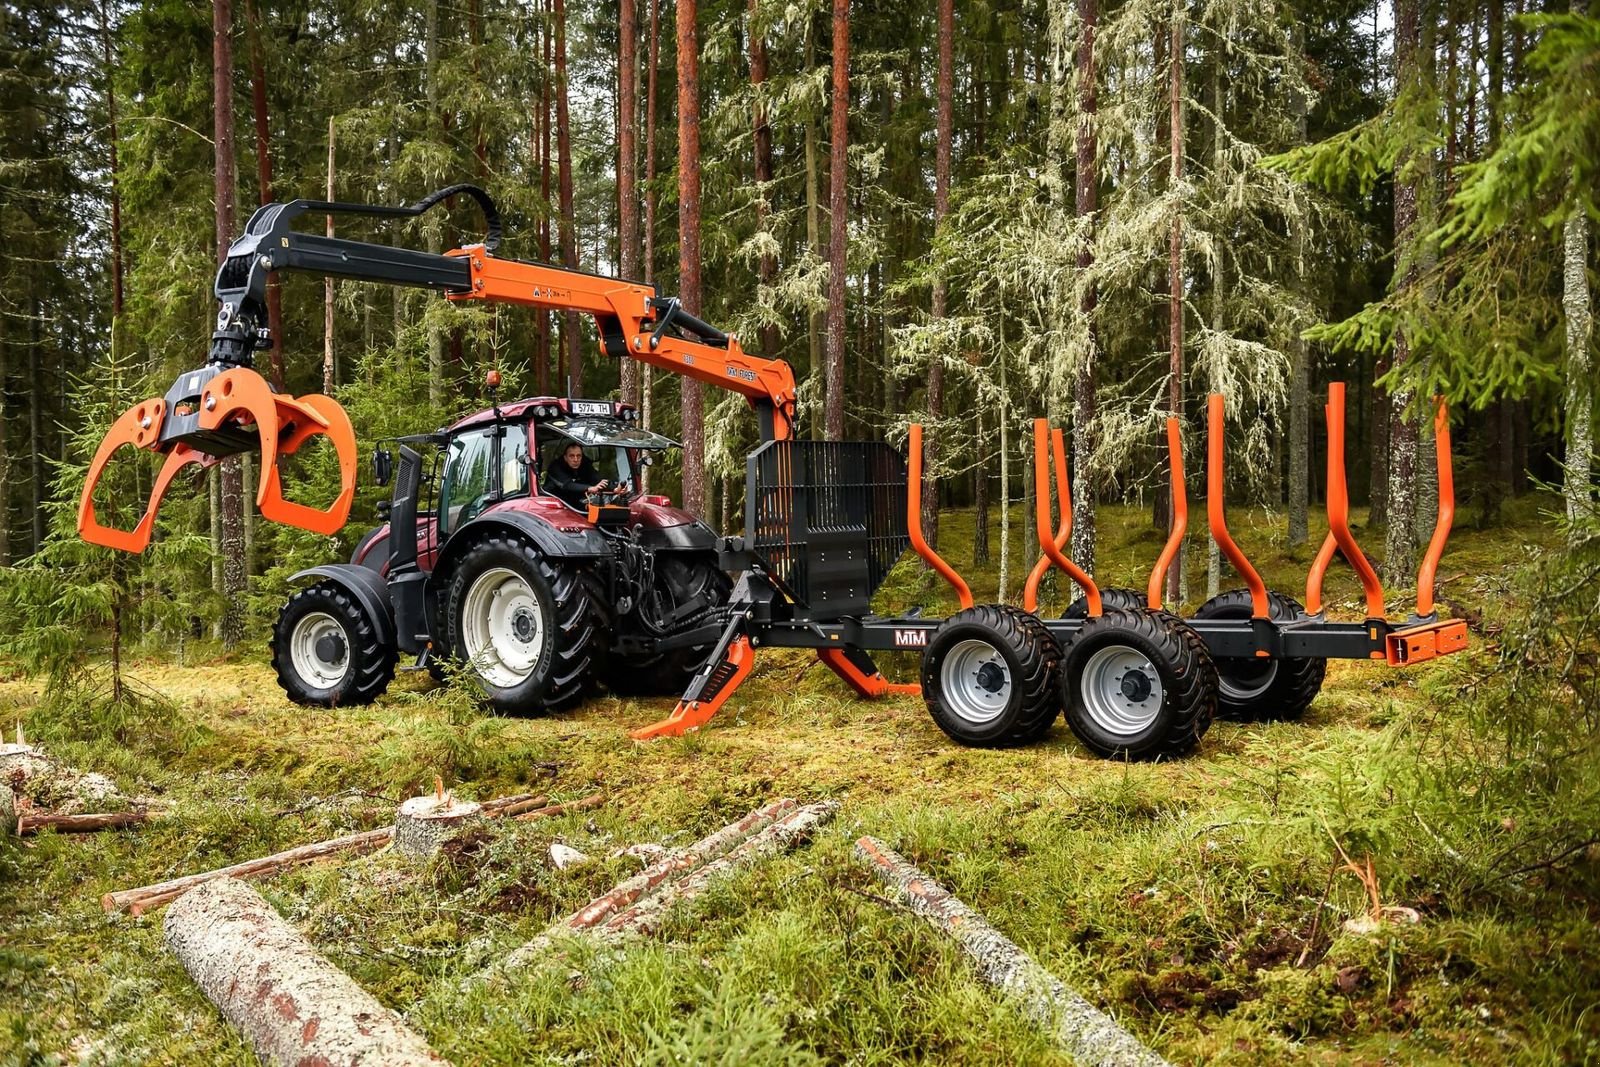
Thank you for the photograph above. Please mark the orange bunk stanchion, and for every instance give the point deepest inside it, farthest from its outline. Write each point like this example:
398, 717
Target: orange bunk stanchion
914, 521
1030, 591
1180, 516
1447, 510
1339, 534
1216, 511
1041, 485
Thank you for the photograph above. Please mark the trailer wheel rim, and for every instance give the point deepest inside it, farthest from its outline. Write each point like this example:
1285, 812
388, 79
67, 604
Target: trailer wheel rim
502, 626
1247, 679
976, 682
320, 650
1121, 690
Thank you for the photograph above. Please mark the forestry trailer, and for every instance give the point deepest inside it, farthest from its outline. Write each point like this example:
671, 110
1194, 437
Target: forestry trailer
489, 560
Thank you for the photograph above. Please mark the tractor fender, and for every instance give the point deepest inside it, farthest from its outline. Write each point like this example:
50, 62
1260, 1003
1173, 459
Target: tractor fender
695, 536
582, 544
369, 588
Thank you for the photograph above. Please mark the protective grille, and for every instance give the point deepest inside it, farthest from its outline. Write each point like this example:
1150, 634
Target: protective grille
828, 518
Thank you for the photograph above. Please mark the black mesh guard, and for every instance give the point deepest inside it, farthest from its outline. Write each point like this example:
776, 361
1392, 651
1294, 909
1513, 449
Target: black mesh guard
828, 520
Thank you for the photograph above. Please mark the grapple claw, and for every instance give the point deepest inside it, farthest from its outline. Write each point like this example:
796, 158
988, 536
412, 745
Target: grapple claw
208, 415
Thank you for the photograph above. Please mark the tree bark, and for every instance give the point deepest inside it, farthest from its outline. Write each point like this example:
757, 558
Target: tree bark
943, 143
838, 172
79, 824
627, 164
1299, 379
328, 374
1084, 379
1577, 484
813, 216
231, 484
542, 324
693, 404
570, 337
1400, 542
768, 270
436, 381
1175, 264
291, 1004
645, 405
258, 102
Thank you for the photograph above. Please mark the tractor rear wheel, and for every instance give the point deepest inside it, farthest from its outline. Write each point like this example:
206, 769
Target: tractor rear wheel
987, 676
1138, 685
669, 673
327, 652
1258, 689
529, 627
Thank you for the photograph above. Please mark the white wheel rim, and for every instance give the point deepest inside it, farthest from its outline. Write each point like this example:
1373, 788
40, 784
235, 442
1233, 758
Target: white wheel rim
1120, 691
320, 650
976, 682
502, 625
1247, 680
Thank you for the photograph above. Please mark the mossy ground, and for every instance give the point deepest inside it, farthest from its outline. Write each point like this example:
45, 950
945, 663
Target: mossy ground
1180, 897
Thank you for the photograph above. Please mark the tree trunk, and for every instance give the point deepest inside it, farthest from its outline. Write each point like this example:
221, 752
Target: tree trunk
1577, 485
231, 486
1400, 543
258, 102
436, 382
1299, 380
693, 404
1175, 264
813, 217
768, 270
542, 323
5, 452
650, 204
327, 285
1084, 379
627, 165
980, 491
1219, 297
570, 337
290, 1003
943, 142
838, 172
36, 394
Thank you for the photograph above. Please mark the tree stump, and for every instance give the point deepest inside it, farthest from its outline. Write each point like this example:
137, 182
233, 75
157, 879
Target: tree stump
291, 1004
423, 824
8, 810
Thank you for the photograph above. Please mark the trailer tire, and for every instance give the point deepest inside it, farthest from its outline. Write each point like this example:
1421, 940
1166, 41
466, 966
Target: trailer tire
1138, 685
1047, 711
1258, 690
327, 652
530, 627
1011, 685
1113, 599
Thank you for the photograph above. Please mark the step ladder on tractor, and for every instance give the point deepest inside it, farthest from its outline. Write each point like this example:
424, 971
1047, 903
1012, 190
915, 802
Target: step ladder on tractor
496, 558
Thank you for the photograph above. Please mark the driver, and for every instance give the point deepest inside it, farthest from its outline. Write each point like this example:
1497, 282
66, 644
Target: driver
572, 477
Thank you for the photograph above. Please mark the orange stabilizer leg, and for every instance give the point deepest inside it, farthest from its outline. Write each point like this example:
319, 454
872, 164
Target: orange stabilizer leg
914, 521
726, 675
862, 675
1216, 510
1180, 516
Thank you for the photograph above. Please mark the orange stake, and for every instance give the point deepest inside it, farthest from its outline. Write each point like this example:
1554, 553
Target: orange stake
1180, 515
914, 521
1216, 511
1041, 494
1447, 509
1339, 518
1030, 591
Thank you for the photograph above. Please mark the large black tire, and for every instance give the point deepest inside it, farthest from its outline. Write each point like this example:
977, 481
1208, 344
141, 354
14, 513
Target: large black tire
1046, 712
1138, 685
1257, 689
987, 676
669, 673
536, 628
1113, 599
327, 652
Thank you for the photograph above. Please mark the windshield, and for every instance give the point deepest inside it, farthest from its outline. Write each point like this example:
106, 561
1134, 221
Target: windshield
596, 431
469, 482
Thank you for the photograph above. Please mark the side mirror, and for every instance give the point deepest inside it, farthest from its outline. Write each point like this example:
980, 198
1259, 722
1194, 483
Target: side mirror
382, 466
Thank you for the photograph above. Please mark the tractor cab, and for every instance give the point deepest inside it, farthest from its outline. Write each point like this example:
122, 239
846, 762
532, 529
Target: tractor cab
575, 453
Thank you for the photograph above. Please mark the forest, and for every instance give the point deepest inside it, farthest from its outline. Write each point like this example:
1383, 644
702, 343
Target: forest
950, 219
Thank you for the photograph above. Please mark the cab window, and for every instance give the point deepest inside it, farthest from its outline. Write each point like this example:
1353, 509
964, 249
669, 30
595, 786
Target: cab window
470, 481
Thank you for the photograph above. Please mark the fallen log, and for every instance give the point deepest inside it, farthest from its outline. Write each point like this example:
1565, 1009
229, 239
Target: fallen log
505, 807
646, 915
559, 809
1080, 1029
81, 824
138, 901
291, 1004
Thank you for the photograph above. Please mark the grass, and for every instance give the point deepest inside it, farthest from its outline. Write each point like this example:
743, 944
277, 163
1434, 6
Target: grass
1186, 898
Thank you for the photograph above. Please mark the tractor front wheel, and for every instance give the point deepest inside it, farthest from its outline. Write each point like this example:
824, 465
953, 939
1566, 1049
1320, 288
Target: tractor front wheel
327, 652
1138, 685
529, 627
987, 676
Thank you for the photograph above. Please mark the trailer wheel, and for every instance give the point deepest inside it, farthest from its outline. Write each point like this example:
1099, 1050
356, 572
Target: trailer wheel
987, 677
1047, 711
326, 651
1257, 689
528, 626
1113, 599
1138, 685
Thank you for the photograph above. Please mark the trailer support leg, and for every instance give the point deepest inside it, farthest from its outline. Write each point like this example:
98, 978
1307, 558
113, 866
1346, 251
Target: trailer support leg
862, 675
724, 671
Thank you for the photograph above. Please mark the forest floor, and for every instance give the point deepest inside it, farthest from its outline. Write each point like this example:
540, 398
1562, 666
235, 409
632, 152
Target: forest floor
1177, 896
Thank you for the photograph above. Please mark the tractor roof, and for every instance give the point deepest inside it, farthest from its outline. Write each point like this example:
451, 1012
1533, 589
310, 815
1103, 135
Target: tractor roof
541, 408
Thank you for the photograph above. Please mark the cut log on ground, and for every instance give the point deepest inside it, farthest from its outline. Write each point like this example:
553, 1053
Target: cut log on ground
137, 901
80, 824
505, 807
647, 915
291, 1004
423, 824
631, 889
561, 809
1083, 1031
